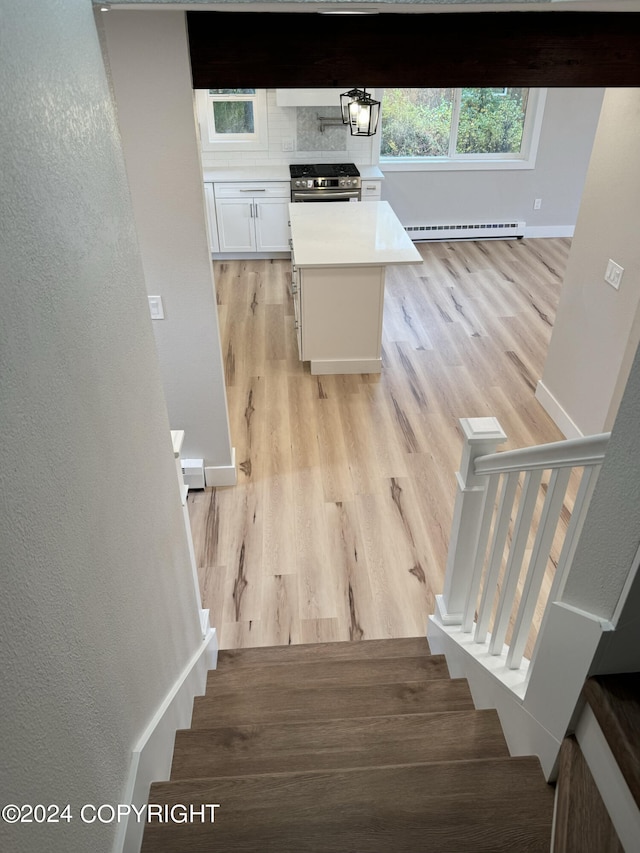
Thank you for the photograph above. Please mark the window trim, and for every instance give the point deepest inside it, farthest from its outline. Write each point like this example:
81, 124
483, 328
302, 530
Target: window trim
526, 159
210, 141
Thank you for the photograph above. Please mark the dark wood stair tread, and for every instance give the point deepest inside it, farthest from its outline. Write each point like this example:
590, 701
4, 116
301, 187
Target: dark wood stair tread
332, 744
615, 702
327, 672
501, 805
342, 650
291, 704
582, 822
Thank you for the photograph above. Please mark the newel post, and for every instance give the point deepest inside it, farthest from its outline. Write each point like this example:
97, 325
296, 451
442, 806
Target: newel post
481, 436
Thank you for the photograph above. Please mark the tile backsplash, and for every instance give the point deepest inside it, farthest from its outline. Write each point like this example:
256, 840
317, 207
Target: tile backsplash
311, 136
299, 129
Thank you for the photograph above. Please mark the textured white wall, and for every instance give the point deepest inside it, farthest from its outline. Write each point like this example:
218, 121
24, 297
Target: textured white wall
611, 535
568, 129
149, 64
97, 611
597, 328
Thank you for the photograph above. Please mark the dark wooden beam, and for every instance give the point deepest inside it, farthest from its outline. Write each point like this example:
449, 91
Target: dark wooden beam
273, 49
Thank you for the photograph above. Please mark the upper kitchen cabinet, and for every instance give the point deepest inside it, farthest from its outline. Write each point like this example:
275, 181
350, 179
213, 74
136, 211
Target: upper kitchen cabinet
309, 97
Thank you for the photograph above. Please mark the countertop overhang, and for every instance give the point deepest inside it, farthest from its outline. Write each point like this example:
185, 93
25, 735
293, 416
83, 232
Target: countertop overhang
337, 235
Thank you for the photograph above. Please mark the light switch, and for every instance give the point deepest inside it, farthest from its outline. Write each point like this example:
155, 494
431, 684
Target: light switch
155, 306
613, 274
537, 204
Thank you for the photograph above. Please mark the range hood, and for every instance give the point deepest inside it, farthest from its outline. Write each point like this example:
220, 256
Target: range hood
309, 97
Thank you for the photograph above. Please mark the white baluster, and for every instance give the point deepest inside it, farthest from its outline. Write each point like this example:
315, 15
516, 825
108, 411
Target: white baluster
521, 531
580, 507
538, 564
482, 436
495, 557
481, 550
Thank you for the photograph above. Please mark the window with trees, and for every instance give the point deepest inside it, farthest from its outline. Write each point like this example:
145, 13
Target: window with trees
232, 118
461, 128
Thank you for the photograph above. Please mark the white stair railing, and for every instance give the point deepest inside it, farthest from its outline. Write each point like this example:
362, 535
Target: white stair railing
499, 502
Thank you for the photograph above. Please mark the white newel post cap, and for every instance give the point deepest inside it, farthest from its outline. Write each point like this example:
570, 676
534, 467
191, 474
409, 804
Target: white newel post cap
482, 436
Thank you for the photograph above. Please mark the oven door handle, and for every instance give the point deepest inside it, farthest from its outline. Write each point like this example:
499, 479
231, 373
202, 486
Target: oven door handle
300, 196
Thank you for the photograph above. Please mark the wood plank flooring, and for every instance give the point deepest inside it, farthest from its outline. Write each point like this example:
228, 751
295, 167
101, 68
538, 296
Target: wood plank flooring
339, 526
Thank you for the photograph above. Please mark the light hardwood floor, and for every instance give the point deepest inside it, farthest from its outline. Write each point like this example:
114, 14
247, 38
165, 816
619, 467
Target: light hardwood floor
338, 528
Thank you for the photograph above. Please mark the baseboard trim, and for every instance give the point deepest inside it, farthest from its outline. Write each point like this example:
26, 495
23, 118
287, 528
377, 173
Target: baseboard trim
249, 256
222, 475
324, 367
152, 755
609, 780
533, 232
557, 414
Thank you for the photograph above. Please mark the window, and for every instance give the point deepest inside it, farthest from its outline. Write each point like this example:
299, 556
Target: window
461, 128
232, 119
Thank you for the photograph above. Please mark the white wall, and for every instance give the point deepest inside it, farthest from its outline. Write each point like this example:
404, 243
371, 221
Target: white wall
609, 543
149, 64
597, 328
569, 124
97, 609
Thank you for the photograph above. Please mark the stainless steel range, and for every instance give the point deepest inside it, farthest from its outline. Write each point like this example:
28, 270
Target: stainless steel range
325, 182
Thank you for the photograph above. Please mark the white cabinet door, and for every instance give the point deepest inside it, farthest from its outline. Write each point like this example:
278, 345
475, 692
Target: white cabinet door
236, 228
252, 217
212, 225
272, 224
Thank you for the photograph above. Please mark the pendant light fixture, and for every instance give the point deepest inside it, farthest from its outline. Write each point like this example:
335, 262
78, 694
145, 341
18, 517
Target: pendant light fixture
360, 111
348, 98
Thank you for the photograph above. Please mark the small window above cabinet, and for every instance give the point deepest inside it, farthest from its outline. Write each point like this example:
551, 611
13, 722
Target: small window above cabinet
232, 119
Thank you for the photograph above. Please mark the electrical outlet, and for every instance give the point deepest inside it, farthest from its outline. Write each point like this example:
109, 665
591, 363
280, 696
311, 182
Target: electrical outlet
287, 144
613, 274
156, 308
537, 204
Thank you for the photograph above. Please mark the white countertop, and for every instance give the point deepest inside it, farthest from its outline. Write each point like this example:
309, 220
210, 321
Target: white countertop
247, 173
270, 173
334, 235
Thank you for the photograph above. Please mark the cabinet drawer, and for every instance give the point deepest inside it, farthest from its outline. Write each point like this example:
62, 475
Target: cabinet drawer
253, 189
371, 190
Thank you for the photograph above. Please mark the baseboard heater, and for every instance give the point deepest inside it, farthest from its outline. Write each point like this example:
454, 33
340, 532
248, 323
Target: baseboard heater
477, 231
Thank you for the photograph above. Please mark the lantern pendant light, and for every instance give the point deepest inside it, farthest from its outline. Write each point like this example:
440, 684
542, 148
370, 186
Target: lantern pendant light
360, 111
364, 113
346, 99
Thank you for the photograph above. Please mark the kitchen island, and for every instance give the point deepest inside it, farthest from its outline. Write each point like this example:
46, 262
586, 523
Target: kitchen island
340, 253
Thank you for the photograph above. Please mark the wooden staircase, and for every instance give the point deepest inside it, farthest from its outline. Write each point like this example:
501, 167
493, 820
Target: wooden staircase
583, 823
368, 747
